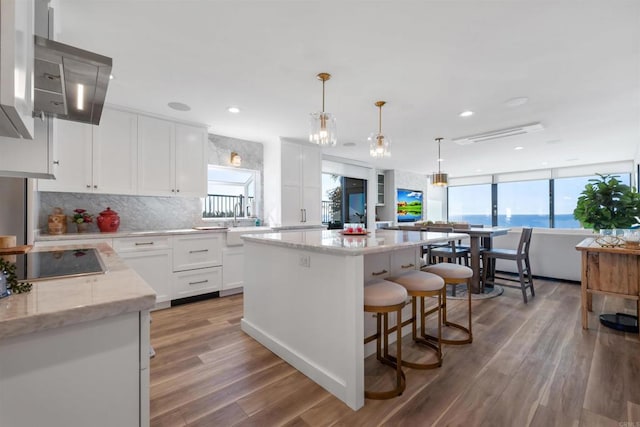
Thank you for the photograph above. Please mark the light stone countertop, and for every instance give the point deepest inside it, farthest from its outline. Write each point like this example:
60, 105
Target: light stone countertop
66, 301
333, 241
125, 233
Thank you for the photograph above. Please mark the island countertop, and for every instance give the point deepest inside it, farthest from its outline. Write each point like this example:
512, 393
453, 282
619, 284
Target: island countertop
333, 241
65, 301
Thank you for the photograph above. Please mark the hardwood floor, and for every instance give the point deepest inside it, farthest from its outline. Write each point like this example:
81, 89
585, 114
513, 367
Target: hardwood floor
529, 365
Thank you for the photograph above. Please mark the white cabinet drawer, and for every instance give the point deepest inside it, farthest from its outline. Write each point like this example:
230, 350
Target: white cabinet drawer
195, 282
142, 243
376, 266
197, 252
404, 259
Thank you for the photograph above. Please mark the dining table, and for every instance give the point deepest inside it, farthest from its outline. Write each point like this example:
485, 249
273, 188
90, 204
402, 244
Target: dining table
479, 238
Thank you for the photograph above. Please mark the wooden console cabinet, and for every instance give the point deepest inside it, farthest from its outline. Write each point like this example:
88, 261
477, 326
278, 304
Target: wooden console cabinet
608, 271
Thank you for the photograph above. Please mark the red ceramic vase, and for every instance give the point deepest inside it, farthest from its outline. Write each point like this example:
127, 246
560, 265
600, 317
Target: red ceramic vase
108, 221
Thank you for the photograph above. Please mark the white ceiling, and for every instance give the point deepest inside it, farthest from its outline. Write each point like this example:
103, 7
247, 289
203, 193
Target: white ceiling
578, 62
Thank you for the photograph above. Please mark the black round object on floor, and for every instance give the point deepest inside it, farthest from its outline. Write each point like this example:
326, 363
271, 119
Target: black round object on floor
620, 321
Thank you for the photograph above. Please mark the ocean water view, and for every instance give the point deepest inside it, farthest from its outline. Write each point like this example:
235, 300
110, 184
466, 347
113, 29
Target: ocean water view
561, 221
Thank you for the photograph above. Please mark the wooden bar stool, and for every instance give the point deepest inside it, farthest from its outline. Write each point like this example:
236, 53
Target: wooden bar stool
420, 284
453, 274
383, 297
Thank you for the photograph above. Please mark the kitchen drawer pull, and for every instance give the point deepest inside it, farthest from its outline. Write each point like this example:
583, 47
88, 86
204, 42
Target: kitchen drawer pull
199, 250
410, 265
143, 243
199, 282
380, 273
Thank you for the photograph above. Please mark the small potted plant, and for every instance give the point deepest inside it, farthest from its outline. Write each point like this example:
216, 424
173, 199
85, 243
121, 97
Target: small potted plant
606, 204
82, 219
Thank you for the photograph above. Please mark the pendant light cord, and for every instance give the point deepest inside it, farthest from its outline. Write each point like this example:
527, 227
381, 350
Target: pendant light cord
439, 157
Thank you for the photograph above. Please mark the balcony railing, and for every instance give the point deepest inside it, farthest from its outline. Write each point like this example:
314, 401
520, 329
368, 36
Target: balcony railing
223, 206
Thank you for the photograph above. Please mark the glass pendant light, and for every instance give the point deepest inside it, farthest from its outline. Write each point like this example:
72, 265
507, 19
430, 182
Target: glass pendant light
323, 125
378, 143
440, 178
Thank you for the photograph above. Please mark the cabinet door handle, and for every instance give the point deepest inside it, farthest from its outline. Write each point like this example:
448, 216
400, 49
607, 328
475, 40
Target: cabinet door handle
56, 162
304, 213
408, 266
143, 243
178, 190
88, 186
199, 250
95, 186
198, 282
380, 273
301, 215
173, 191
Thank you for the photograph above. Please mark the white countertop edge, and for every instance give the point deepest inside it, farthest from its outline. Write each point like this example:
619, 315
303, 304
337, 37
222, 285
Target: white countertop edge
121, 291
273, 239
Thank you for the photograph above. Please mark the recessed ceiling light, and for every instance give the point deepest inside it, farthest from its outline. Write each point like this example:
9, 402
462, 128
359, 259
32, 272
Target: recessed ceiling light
234, 110
111, 77
516, 102
519, 148
349, 144
553, 141
441, 160
467, 113
478, 170
179, 106
572, 159
545, 163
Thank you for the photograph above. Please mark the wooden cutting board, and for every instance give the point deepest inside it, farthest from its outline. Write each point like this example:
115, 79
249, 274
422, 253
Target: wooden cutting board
16, 250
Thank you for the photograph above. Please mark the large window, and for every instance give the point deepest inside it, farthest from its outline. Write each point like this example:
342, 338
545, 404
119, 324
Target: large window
540, 203
524, 203
470, 203
565, 196
231, 192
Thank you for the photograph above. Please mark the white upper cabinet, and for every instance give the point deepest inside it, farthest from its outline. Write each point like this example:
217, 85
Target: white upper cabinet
96, 159
16, 68
172, 158
30, 158
128, 153
301, 184
72, 159
191, 160
156, 147
115, 155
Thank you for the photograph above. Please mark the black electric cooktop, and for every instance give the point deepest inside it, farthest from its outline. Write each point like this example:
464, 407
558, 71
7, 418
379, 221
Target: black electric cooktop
55, 264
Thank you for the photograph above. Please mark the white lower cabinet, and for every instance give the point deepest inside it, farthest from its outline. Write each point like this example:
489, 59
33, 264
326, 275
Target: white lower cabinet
151, 258
197, 264
233, 267
196, 282
87, 374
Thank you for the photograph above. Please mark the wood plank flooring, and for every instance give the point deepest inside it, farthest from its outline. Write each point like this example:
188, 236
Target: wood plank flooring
529, 365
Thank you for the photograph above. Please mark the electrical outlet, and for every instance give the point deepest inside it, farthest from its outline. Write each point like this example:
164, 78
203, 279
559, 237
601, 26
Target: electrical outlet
305, 261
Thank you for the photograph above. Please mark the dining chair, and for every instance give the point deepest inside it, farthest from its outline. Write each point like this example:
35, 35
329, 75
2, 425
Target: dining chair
451, 251
519, 255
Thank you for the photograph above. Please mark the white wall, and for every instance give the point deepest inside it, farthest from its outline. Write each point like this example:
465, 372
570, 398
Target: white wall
552, 253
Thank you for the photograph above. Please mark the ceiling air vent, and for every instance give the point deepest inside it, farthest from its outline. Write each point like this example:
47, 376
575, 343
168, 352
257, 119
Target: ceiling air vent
497, 134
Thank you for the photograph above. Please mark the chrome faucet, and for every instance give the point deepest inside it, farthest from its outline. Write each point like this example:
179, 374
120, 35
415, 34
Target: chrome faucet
235, 213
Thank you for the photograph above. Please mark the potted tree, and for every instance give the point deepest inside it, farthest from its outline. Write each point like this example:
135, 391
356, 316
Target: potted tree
606, 204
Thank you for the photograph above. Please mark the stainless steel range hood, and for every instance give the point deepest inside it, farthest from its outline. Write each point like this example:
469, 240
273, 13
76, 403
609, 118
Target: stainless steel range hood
69, 83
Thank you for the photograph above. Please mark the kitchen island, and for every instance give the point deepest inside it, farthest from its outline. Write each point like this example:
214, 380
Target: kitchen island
75, 350
303, 297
